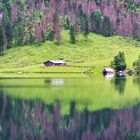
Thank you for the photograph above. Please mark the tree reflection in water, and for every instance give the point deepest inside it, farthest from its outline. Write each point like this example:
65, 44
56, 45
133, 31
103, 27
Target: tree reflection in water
33, 120
136, 81
119, 84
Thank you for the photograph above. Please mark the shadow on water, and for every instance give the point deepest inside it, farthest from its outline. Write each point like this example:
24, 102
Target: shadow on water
136, 80
119, 84
34, 120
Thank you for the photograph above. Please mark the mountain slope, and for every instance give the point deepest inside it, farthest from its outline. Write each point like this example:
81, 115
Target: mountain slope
95, 51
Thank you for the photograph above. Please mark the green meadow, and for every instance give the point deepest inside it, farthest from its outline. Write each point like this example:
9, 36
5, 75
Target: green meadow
95, 52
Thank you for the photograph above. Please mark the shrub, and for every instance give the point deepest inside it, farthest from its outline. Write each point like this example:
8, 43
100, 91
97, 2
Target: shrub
119, 62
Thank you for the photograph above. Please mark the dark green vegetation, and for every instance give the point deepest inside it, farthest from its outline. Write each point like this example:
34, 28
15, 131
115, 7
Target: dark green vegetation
27, 22
119, 62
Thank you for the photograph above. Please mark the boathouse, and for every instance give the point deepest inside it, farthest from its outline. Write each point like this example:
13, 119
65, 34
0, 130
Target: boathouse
108, 71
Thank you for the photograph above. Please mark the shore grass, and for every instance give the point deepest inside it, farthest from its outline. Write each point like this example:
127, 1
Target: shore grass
95, 51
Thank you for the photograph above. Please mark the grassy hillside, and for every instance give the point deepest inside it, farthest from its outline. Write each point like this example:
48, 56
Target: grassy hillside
96, 51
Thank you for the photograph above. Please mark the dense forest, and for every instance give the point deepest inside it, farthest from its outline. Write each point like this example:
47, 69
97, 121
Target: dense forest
30, 21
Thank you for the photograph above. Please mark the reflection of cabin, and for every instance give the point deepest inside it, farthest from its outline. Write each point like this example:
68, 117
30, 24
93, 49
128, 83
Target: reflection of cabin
54, 63
108, 71
55, 82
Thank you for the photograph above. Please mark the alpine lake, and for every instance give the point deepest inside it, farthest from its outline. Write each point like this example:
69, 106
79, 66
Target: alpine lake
70, 108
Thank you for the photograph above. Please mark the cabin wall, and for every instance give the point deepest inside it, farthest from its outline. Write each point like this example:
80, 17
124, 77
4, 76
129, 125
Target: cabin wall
47, 64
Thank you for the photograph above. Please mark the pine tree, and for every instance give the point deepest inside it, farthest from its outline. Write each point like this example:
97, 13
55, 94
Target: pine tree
106, 27
1, 40
96, 21
15, 35
8, 35
85, 29
18, 34
67, 23
84, 24
119, 62
72, 35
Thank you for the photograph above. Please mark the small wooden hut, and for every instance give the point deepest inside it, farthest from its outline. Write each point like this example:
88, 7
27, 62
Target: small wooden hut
108, 71
54, 63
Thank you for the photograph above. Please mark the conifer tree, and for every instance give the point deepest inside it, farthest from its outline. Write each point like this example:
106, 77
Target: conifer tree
106, 27
1, 40
72, 35
8, 35
85, 26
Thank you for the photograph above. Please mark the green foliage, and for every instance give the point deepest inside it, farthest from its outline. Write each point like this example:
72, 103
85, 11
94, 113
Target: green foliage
50, 35
96, 21
1, 40
18, 34
83, 20
85, 26
119, 62
136, 65
132, 6
72, 35
106, 27
8, 35
67, 23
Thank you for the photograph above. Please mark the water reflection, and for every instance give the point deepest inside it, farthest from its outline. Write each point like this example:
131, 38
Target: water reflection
33, 120
55, 82
136, 81
119, 84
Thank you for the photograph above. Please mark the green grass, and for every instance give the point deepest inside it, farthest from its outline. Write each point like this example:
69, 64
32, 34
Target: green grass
96, 51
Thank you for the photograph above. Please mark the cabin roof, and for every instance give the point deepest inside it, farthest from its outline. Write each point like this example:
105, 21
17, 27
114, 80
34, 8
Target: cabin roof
109, 69
57, 61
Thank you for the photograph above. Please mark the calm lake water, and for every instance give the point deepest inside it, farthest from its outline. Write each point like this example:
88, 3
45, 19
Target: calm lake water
92, 108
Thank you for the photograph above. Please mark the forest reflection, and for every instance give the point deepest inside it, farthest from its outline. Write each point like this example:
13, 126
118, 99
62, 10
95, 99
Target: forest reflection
34, 120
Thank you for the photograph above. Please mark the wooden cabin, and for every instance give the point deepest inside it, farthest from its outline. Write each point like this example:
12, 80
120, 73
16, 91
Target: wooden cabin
107, 71
54, 63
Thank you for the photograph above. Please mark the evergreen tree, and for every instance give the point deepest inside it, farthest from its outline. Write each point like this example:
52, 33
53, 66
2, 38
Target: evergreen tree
7, 29
67, 24
1, 40
72, 35
42, 34
8, 35
85, 26
50, 36
119, 62
15, 35
96, 21
106, 27
18, 34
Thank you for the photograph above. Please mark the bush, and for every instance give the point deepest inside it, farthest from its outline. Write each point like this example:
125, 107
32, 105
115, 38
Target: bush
119, 62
